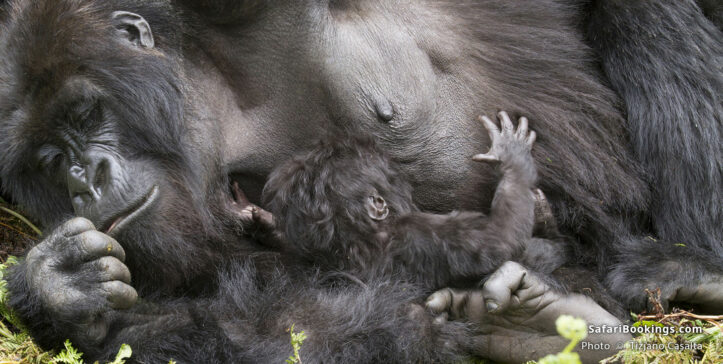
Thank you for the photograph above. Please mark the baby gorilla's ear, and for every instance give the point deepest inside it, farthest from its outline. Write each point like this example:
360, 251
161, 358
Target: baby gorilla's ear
377, 208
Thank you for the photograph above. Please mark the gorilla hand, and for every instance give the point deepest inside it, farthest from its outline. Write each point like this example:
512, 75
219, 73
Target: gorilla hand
255, 221
515, 314
77, 274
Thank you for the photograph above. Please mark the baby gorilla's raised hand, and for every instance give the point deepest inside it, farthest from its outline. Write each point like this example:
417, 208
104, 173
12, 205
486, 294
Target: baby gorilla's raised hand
508, 144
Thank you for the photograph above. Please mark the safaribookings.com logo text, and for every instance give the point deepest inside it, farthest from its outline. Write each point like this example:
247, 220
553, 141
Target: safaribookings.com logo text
639, 330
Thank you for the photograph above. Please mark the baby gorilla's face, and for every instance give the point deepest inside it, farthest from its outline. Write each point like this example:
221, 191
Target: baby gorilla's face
376, 207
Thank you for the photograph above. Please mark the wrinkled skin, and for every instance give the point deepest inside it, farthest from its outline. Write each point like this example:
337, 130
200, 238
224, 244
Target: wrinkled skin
515, 308
169, 102
86, 263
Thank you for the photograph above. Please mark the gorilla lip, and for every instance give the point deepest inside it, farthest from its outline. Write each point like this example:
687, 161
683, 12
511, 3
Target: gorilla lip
136, 210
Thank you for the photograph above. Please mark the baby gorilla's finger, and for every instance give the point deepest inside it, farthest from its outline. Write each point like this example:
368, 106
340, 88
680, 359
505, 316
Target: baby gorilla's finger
499, 288
93, 244
491, 127
238, 195
76, 226
120, 295
263, 218
506, 122
521, 132
531, 138
112, 269
489, 158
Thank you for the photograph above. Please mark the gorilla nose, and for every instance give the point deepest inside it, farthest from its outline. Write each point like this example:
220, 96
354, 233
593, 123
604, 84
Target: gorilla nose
87, 182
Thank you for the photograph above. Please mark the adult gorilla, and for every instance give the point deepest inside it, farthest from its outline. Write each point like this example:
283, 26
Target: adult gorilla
134, 114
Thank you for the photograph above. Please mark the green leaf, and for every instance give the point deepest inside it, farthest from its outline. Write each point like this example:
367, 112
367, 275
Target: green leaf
571, 328
69, 355
124, 352
647, 323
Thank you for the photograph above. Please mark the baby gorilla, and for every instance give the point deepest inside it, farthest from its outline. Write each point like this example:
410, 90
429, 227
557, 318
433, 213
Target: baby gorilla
345, 206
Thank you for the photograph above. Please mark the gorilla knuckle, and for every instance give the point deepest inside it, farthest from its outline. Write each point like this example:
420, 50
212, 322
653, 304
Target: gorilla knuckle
113, 269
77, 226
510, 266
119, 294
95, 243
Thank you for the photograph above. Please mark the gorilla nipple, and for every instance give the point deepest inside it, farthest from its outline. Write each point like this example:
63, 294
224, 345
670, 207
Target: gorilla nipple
385, 110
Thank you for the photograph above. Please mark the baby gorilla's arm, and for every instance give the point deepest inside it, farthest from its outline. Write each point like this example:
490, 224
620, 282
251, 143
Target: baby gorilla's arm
513, 206
441, 250
445, 249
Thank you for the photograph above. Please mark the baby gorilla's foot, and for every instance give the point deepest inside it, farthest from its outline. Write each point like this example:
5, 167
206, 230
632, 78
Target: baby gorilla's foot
507, 143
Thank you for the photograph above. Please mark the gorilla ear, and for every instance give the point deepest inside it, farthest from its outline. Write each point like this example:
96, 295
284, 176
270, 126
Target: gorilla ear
134, 28
377, 208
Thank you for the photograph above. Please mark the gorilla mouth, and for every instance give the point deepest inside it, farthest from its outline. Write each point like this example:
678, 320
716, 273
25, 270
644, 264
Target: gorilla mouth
136, 209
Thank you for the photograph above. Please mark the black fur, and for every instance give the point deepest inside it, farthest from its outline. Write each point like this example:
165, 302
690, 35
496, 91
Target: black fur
209, 295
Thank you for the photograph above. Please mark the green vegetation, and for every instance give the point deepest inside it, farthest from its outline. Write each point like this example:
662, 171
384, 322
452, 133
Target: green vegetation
296, 340
573, 329
701, 345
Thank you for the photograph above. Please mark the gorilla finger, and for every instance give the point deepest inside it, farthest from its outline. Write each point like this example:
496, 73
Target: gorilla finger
238, 195
264, 218
506, 122
94, 244
112, 269
76, 226
119, 295
439, 301
531, 138
521, 128
491, 127
501, 284
488, 158
458, 304
474, 310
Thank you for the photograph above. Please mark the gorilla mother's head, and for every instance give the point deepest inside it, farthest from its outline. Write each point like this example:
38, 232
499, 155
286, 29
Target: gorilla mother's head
92, 124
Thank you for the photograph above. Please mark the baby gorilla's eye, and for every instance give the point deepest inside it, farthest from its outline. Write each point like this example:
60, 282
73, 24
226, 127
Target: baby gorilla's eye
379, 202
377, 208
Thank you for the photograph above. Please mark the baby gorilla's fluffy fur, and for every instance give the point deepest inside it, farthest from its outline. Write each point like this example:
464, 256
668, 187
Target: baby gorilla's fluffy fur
345, 206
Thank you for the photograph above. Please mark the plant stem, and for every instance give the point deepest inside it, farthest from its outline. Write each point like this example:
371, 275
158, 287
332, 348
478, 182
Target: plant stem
23, 219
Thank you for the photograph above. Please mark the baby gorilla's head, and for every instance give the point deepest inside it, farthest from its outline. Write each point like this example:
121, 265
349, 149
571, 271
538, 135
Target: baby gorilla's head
334, 198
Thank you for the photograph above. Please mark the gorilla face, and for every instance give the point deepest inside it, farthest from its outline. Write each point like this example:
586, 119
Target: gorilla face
78, 157
91, 125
